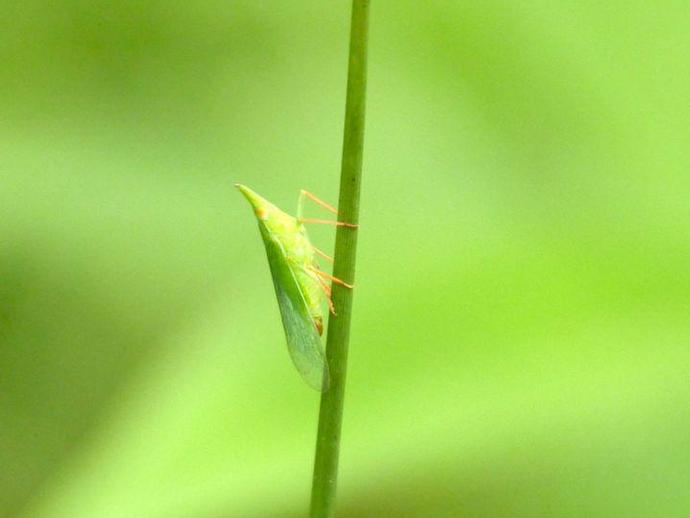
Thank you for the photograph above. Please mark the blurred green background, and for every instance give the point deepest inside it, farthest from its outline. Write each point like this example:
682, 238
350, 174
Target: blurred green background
521, 329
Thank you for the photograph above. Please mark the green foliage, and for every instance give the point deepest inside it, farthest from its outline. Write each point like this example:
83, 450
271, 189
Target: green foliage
520, 340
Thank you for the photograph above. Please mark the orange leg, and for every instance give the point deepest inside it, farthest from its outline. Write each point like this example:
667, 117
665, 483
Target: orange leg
300, 205
330, 277
327, 290
313, 198
324, 255
327, 222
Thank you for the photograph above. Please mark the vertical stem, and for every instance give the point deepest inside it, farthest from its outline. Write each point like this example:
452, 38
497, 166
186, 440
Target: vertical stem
331, 410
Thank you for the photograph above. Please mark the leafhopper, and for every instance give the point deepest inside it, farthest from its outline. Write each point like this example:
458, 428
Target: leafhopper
301, 285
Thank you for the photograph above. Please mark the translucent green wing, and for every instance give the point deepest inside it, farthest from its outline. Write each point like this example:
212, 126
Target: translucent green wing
304, 342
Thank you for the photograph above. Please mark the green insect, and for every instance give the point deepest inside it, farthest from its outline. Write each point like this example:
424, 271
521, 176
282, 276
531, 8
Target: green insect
300, 284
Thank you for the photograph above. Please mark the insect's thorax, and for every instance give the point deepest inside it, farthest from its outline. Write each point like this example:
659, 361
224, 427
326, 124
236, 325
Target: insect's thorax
292, 237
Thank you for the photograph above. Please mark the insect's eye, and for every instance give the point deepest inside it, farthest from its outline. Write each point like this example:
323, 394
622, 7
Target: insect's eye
261, 213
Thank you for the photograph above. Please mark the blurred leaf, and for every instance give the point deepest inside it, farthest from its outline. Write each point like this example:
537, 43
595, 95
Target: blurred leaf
521, 325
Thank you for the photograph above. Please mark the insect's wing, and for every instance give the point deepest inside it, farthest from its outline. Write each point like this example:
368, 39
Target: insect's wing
304, 342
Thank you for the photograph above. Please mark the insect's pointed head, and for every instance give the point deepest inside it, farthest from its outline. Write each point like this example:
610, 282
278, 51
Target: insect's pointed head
263, 208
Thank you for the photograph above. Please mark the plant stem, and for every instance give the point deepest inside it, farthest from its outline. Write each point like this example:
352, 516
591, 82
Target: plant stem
331, 409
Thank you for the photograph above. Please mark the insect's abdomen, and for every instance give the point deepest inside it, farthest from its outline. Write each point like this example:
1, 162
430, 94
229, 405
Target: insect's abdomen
300, 253
313, 295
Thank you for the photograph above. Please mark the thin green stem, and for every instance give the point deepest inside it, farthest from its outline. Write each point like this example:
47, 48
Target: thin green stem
331, 410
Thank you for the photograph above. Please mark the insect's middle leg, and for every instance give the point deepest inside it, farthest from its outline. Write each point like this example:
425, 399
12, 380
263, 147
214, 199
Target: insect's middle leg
323, 254
329, 277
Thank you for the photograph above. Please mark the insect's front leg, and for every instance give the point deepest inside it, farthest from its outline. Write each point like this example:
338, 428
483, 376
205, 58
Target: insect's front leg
303, 195
328, 222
